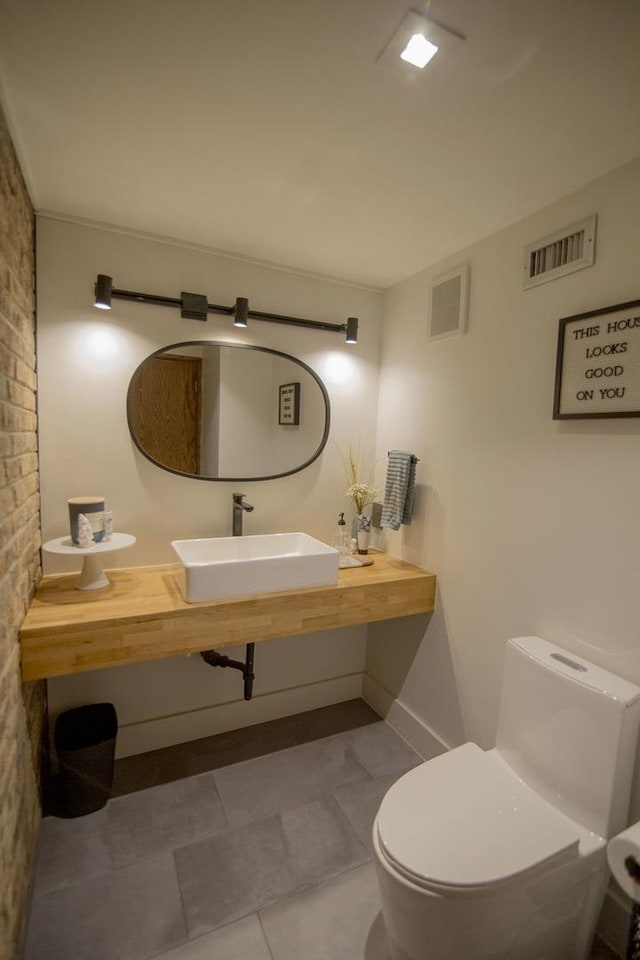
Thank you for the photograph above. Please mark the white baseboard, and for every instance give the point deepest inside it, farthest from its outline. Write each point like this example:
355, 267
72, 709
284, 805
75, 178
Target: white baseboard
403, 720
161, 732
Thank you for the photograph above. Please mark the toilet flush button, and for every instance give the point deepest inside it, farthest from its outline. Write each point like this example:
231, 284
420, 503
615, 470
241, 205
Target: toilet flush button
568, 663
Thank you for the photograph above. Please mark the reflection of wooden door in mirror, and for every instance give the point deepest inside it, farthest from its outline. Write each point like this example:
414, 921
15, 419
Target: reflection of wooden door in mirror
167, 410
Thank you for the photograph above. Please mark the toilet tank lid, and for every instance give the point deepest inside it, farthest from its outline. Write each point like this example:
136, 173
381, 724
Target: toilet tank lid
576, 668
462, 820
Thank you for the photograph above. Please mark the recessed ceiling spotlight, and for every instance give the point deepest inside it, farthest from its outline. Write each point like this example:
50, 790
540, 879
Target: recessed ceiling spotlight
419, 51
415, 42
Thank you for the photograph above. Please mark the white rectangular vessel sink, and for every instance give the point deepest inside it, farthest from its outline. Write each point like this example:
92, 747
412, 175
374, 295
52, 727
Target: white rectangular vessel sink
219, 568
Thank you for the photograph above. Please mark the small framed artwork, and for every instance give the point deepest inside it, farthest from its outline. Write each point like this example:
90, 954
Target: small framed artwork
289, 404
598, 364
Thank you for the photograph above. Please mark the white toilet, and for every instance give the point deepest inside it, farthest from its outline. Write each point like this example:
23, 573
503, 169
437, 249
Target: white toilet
502, 853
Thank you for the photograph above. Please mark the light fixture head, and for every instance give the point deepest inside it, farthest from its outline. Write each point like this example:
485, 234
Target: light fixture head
415, 42
103, 288
241, 312
419, 51
351, 335
193, 306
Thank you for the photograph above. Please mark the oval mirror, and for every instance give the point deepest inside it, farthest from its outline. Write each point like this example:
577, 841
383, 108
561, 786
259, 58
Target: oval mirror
220, 411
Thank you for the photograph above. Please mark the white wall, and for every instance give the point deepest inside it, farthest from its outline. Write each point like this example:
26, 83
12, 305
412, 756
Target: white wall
85, 360
246, 414
295, 443
252, 442
210, 433
531, 524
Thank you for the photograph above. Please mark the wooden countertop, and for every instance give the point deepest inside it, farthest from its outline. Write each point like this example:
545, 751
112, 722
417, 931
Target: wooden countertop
141, 615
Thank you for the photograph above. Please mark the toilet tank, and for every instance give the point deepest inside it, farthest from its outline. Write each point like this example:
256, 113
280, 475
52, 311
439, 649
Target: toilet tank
569, 729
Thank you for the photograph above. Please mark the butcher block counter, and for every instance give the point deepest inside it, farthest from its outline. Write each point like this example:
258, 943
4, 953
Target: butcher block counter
142, 615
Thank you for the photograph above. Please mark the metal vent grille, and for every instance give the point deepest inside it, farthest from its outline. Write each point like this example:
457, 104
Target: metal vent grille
449, 296
560, 253
445, 303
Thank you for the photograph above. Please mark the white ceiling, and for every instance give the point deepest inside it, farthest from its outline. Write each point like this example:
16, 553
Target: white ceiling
267, 129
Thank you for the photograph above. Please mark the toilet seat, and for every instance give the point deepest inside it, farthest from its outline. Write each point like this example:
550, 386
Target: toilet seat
463, 820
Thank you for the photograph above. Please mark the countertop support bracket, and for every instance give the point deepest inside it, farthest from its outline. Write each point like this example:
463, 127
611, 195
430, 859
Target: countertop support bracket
215, 659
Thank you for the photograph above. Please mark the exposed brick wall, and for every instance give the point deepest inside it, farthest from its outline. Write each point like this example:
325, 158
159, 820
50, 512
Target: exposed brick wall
22, 706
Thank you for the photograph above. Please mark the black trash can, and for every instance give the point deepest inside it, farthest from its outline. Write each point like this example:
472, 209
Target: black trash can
85, 741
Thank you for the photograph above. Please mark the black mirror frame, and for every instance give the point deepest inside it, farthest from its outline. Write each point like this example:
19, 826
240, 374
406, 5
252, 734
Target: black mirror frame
240, 346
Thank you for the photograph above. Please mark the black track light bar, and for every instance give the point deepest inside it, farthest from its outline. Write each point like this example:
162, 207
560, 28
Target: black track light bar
195, 306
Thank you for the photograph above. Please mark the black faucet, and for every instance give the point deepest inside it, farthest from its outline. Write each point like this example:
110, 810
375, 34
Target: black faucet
239, 504
212, 657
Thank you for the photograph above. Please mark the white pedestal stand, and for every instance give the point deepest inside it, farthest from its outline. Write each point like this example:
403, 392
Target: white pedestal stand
92, 576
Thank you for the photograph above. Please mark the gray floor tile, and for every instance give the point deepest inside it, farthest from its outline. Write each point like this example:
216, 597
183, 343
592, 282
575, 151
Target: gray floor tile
230, 875
127, 830
336, 920
242, 940
128, 914
163, 818
320, 842
380, 750
235, 873
360, 803
71, 850
259, 788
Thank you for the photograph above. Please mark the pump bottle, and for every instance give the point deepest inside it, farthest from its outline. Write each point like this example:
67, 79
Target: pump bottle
342, 541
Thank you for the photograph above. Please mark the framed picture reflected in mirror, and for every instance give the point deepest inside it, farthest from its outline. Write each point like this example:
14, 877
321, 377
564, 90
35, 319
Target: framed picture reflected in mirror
289, 404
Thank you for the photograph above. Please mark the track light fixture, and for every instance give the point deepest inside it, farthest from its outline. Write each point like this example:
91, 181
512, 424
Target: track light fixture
195, 306
103, 288
240, 312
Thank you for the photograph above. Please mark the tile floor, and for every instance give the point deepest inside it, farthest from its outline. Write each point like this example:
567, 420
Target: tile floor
253, 860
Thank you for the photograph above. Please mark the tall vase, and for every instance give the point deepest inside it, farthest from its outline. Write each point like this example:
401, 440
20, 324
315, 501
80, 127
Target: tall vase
363, 526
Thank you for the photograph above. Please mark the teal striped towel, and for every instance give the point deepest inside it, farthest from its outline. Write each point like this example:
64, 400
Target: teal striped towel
399, 489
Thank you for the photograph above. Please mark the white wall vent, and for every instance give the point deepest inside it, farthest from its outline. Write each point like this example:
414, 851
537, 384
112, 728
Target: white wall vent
560, 253
449, 299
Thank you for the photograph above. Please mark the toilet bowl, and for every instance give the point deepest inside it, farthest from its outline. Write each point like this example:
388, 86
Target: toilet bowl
502, 853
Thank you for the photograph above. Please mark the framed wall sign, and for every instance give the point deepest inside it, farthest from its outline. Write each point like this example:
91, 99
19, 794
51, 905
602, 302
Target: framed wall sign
289, 405
598, 364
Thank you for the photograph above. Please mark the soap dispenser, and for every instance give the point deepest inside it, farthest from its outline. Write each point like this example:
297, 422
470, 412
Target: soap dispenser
342, 540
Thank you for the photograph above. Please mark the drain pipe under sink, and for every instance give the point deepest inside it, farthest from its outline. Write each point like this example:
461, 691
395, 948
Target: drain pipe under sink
215, 659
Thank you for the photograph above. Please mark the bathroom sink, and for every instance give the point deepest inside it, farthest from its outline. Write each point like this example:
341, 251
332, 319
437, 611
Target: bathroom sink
219, 568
